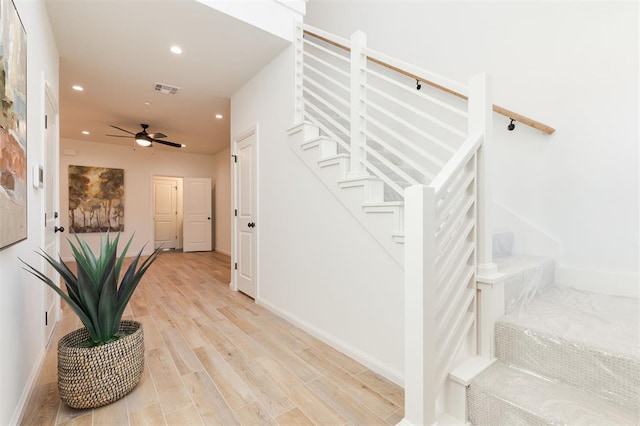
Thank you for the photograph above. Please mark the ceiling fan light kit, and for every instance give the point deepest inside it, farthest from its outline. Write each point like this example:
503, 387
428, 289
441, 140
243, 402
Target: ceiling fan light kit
143, 140
146, 139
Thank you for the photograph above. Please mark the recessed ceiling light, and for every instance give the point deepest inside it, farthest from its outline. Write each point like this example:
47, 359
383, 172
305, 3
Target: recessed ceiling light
176, 49
78, 88
147, 103
85, 132
219, 116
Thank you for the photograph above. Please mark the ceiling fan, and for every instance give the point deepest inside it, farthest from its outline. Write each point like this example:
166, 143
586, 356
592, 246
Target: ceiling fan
146, 139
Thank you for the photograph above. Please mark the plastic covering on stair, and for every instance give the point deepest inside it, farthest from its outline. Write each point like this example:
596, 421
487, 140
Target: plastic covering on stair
502, 242
588, 340
506, 396
527, 277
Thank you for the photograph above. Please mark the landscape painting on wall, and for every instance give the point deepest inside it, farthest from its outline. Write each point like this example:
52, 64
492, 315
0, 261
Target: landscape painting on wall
96, 199
13, 126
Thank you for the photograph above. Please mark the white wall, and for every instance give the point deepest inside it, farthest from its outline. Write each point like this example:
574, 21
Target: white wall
140, 165
274, 16
222, 200
317, 266
572, 65
22, 301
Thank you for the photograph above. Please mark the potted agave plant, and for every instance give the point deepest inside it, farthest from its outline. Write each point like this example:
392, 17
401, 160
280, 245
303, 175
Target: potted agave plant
103, 361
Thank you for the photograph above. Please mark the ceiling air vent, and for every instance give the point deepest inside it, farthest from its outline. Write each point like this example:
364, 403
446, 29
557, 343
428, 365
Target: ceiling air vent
165, 88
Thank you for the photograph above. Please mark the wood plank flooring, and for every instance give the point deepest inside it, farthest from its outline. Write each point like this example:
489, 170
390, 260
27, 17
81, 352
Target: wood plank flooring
215, 357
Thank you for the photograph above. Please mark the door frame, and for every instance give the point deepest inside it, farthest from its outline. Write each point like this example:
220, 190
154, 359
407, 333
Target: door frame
49, 97
234, 201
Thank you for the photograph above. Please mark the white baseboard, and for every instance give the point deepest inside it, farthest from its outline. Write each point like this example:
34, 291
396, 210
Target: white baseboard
146, 252
18, 413
227, 252
612, 283
364, 359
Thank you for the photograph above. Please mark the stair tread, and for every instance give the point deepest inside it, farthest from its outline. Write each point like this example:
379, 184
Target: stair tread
360, 179
540, 401
334, 157
319, 138
384, 204
513, 264
600, 321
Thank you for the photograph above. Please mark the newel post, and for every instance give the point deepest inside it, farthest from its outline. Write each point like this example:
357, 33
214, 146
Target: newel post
419, 307
481, 122
298, 57
358, 104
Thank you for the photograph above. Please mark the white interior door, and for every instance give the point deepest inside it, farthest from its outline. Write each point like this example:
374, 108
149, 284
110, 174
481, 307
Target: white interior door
165, 212
246, 203
197, 214
50, 186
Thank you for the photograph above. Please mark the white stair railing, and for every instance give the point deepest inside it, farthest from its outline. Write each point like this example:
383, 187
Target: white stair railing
430, 147
323, 85
354, 95
440, 279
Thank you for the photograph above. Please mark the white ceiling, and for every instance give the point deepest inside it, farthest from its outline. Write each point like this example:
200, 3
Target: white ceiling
117, 49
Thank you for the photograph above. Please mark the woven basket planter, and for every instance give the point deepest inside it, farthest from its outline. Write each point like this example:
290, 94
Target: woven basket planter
97, 376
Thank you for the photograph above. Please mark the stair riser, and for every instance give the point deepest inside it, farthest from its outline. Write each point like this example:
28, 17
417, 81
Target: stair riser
521, 288
616, 378
383, 221
328, 149
488, 410
525, 277
320, 148
366, 191
336, 167
306, 130
395, 212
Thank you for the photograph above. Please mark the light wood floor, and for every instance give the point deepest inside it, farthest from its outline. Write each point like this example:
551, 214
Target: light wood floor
215, 357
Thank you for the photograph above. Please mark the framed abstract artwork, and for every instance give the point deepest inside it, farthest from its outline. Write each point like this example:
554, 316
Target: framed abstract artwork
96, 199
13, 126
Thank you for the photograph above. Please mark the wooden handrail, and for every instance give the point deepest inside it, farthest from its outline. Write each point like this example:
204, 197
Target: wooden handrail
524, 120
328, 41
500, 110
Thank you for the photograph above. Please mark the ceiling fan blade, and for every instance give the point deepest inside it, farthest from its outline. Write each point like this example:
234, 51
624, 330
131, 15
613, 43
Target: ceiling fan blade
119, 128
120, 136
173, 144
157, 135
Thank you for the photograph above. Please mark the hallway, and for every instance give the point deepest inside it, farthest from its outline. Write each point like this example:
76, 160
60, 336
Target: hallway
215, 357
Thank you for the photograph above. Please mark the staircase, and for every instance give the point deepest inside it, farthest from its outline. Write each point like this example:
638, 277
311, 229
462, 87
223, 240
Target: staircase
363, 196
563, 356
410, 165
366, 131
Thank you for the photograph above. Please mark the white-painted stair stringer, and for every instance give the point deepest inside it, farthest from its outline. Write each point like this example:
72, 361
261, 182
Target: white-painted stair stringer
371, 188
324, 145
362, 196
339, 161
395, 208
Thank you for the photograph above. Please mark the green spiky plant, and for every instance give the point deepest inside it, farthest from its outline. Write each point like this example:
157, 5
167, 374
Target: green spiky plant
93, 294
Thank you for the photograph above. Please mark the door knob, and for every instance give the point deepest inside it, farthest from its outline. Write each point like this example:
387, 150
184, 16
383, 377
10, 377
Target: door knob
251, 225
56, 229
